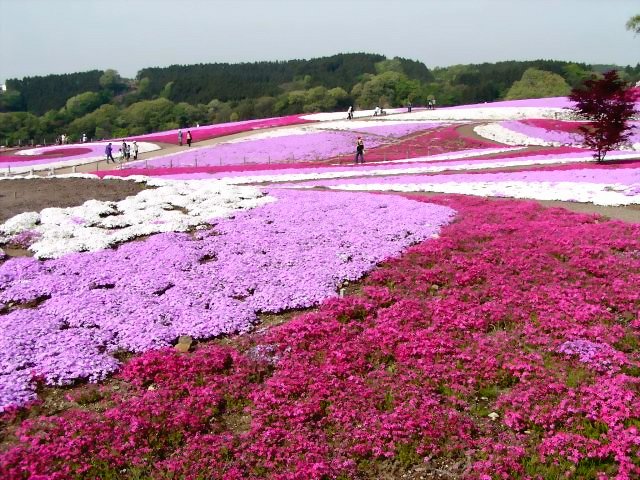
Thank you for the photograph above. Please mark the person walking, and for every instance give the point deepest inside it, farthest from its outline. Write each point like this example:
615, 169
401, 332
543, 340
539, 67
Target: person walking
189, 137
180, 137
135, 150
360, 150
350, 112
108, 151
127, 152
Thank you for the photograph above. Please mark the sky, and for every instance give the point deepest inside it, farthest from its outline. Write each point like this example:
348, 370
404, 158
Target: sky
40, 37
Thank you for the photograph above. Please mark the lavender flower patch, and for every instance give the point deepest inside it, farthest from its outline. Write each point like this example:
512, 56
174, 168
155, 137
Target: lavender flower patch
144, 295
600, 356
383, 128
277, 149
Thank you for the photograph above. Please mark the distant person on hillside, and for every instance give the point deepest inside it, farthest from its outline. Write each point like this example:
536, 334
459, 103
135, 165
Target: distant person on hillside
350, 113
377, 111
409, 105
108, 151
189, 137
360, 150
135, 150
180, 137
127, 152
84, 138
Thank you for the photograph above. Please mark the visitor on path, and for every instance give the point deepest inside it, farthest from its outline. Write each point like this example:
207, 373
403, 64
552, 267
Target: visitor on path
127, 152
360, 150
108, 151
350, 113
84, 138
180, 137
409, 106
123, 152
377, 111
135, 150
189, 137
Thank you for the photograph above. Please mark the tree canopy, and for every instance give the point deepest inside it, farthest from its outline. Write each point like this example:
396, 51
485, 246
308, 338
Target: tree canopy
538, 84
608, 103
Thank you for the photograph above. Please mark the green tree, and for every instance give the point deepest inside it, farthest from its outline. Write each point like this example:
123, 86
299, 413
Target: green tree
84, 103
111, 80
575, 75
100, 123
538, 84
380, 90
634, 24
148, 115
20, 127
11, 101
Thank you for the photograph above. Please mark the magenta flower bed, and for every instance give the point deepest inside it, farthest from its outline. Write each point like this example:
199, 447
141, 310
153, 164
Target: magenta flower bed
219, 130
479, 351
48, 155
549, 124
557, 136
301, 148
145, 294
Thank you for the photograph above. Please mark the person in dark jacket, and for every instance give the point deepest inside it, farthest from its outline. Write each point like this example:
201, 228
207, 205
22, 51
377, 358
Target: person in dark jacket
108, 151
189, 137
360, 150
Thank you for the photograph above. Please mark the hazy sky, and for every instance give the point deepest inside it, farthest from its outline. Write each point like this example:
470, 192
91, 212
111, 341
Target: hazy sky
38, 37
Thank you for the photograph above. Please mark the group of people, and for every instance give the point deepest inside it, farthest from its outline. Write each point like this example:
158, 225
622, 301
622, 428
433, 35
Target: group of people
62, 139
189, 137
431, 105
125, 152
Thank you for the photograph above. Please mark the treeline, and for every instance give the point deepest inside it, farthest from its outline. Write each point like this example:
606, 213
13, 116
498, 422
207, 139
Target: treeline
227, 82
101, 104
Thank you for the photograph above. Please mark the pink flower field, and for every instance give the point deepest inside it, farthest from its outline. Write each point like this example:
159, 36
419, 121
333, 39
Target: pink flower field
461, 351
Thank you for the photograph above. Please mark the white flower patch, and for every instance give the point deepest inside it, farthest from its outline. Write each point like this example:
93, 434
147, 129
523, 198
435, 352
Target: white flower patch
327, 116
487, 113
19, 223
596, 193
175, 206
498, 133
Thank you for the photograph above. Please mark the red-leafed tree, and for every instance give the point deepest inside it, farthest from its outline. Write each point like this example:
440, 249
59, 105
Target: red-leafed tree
608, 103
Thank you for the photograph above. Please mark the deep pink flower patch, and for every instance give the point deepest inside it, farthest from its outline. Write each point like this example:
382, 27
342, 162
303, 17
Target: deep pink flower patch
206, 132
458, 350
46, 155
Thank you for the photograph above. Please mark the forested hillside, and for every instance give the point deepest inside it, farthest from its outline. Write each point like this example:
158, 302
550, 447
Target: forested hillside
101, 104
201, 83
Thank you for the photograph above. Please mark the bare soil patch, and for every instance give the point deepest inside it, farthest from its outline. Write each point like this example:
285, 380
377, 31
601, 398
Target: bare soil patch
29, 195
